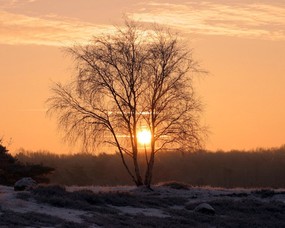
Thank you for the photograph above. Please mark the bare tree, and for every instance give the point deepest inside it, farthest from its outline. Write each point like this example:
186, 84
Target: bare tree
132, 80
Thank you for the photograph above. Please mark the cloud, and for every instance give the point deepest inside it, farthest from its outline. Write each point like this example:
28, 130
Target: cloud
48, 30
7, 4
261, 21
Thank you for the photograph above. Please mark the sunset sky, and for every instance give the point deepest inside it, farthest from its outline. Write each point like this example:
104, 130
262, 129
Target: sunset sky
241, 44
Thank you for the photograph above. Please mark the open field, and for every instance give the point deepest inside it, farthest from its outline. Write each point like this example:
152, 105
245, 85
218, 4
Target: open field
168, 205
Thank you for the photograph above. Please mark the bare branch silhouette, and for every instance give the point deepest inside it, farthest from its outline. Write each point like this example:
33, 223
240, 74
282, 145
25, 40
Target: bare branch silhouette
134, 78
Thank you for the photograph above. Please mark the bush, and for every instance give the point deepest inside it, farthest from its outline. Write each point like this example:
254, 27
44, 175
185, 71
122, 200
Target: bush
175, 185
12, 170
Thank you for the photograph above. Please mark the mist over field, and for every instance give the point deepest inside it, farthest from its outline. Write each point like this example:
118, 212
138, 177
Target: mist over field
248, 169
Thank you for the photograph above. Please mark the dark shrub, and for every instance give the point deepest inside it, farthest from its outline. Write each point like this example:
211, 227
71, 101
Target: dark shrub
264, 193
11, 170
175, 185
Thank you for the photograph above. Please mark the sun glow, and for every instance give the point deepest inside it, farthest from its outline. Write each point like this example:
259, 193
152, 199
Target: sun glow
144, 136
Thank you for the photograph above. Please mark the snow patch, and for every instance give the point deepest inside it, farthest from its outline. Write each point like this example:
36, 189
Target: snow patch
145, 211
9, 201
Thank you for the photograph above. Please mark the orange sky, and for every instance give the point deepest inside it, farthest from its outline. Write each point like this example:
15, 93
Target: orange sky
242, 45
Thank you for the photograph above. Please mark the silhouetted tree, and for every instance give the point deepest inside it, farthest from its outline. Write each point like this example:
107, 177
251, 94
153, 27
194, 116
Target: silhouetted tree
12, 170
133, 79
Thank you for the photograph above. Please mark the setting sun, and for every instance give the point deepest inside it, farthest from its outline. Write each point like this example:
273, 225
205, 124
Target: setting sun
250, 33
144, 136
111, 110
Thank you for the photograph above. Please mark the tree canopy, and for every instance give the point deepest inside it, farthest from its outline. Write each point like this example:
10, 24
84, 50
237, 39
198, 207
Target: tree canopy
133, 80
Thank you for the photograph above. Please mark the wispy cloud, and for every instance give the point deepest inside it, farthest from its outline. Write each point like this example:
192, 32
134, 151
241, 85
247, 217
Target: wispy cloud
6, 4
262, 21
48, 30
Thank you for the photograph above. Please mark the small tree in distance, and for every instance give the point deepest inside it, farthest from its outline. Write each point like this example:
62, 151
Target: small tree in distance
11, 170
132, 81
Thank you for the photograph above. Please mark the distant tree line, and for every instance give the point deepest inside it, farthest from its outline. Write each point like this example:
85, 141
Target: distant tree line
256, 168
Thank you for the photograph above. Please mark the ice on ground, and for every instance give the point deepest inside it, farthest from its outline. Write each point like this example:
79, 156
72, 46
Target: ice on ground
9, 201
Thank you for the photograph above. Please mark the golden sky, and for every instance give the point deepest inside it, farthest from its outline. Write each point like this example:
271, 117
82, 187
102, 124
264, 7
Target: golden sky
241, 44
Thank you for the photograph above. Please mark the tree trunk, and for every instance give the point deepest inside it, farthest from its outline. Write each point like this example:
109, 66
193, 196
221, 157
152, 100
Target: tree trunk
139, 180
150, 162
148, 174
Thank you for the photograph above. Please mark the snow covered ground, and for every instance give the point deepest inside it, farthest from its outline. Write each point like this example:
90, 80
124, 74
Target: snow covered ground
9, 201
128, 206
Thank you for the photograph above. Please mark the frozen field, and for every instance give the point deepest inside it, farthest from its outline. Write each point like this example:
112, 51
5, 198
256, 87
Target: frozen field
168, 205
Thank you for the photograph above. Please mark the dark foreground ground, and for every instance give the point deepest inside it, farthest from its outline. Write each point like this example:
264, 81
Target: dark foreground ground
168, 205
